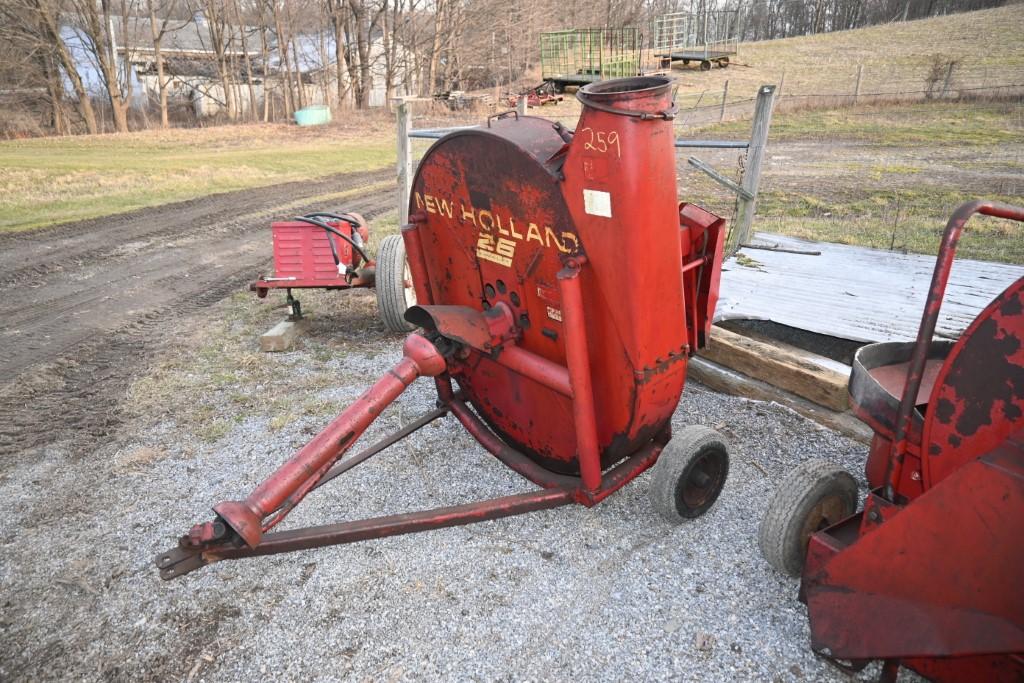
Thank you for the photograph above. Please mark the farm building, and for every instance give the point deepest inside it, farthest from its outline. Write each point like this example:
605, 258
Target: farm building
190, 57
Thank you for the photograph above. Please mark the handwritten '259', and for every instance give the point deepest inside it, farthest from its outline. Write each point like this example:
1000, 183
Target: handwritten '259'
601, 141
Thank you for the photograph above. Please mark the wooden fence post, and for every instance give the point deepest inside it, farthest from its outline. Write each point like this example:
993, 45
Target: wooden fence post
740, 234
856, 88
725, 96
949, 78
404, 114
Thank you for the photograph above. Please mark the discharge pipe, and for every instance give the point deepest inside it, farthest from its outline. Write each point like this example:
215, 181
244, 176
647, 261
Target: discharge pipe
305, 468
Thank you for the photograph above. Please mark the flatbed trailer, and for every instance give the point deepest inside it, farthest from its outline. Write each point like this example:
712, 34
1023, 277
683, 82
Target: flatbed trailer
708, 38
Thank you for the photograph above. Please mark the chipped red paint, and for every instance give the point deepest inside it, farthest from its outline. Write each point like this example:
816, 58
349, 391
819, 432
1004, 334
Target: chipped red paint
560, 284
927, 575
936, 292
636, 344
978, 397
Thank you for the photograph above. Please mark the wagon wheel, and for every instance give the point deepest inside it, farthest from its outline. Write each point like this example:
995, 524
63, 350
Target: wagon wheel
723, 63
689, 474
812, 497
705, 65
686, 62
395, 293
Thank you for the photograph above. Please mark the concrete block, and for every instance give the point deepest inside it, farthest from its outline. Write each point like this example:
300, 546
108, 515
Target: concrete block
282, 336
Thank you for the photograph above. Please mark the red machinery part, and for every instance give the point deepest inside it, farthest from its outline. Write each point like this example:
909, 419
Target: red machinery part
563, 288
304, 254
486, 243
928, 574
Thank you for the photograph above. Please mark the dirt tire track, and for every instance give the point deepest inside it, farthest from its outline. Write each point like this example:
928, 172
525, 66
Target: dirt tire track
25, 257
77, 328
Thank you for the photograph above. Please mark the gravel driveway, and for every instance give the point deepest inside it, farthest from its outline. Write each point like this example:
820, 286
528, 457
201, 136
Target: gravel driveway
608, 593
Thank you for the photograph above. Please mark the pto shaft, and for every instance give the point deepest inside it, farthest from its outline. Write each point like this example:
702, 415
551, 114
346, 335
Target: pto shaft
304, 469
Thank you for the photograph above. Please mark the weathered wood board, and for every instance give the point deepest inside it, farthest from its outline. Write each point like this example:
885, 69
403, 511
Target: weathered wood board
799, 372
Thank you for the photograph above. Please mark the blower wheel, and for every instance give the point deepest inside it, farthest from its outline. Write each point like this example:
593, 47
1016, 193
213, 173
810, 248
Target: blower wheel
690, 474
395, 293
812, 497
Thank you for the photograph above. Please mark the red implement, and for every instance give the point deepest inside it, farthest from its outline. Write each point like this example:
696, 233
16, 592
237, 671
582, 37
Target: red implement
567, 371
927, 575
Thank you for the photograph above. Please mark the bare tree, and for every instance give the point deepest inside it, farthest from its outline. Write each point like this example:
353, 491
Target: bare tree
244, 40
96, 23
49, 27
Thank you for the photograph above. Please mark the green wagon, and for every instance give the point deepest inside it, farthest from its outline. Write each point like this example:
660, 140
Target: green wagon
581, 56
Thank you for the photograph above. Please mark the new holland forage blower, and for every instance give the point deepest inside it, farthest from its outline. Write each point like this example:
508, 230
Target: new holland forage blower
562, 289
930, 573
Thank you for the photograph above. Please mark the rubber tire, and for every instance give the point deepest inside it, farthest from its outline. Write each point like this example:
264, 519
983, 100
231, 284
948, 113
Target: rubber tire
390, 284
674, 466
705, 65
783, 526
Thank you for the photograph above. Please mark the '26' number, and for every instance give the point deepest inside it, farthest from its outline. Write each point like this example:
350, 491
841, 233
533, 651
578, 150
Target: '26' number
601, 141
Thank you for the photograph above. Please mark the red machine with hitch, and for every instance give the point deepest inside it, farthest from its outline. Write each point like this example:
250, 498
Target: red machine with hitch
928, 575
538, 96
565, 370
329, 251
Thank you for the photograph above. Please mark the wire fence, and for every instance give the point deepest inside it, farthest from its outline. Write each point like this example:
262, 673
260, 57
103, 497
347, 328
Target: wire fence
857, 84
884, 176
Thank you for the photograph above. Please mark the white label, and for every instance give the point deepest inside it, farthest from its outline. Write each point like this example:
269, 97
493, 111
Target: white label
554, 313
597, 203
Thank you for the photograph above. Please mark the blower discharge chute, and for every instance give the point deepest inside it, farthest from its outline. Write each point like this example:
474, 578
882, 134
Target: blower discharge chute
562, 289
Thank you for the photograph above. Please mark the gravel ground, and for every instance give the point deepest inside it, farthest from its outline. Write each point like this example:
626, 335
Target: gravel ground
607, 593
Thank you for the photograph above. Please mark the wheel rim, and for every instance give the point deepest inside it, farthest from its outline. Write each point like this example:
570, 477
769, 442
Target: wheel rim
700, 485
408, 289
829, 510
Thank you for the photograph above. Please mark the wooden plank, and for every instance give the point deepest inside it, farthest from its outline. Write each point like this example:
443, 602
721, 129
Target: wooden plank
282, 336
719, 178
781, 366
727, 381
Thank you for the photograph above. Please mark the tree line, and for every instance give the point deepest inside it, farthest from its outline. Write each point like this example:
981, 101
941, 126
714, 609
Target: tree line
78, 65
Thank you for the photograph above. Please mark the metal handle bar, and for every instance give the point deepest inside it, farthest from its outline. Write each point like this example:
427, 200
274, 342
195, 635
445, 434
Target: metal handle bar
502, 115
336, 216
668, 114
930, 317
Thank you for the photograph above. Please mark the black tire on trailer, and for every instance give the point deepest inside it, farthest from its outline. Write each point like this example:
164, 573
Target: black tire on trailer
686, 62
813, 496
705, 65
394, 284
689, 474
723, 63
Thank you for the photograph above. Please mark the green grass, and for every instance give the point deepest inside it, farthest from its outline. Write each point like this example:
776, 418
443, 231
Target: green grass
905, 221
941, 123
53, 180
887, 177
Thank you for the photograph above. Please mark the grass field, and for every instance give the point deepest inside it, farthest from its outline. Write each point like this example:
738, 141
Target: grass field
886, 177
54, 180
896, 57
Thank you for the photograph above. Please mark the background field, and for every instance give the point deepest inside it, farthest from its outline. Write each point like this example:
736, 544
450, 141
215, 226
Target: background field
881, 176
55, 180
